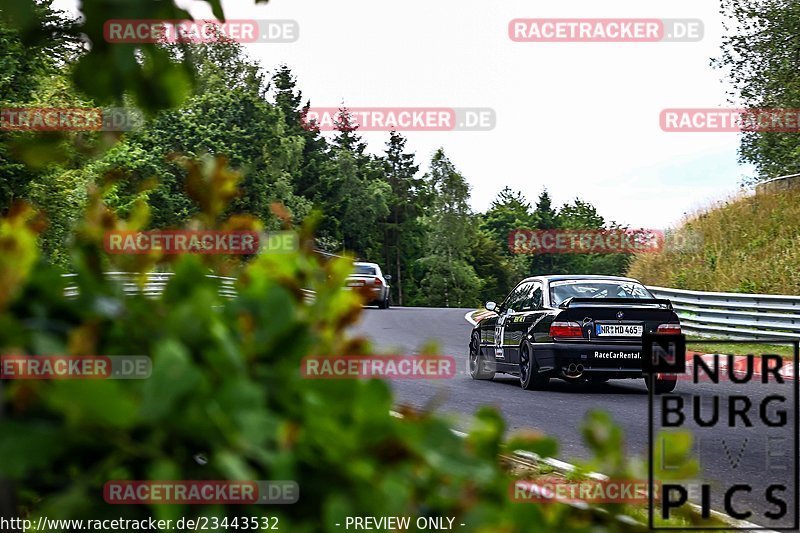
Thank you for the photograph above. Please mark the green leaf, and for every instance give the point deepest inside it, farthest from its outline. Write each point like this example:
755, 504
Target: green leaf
174, 377
25, 447
93, 403
673, 456
533, 442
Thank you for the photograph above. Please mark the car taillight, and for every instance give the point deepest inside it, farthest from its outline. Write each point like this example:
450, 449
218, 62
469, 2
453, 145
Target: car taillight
377, 281
669, 329
565, 329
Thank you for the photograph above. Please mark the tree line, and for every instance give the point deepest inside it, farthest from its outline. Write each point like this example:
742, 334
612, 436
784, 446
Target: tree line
759, 60
418, 225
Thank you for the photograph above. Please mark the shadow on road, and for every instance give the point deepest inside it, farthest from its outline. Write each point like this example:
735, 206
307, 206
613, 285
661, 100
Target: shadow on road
560, 386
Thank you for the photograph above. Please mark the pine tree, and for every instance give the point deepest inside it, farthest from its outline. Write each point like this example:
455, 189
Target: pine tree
287, 98
508, 212
315, 155
353, 194
404, 208
347, 137
545, 215
449, 278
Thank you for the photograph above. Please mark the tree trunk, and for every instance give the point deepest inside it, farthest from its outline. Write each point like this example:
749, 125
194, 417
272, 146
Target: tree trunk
397, 259
459, 293
399, 279
452, 277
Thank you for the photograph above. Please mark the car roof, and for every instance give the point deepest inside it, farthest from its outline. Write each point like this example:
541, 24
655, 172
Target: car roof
588, 277
359, 263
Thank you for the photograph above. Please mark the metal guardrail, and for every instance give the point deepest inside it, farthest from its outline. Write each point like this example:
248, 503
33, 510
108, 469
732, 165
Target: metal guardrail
717, 314
735, 315
156, 282
781, 183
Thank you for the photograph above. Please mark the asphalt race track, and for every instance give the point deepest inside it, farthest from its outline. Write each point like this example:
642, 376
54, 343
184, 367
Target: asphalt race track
726, 455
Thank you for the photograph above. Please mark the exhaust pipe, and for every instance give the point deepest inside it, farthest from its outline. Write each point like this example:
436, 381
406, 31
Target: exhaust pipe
574, 371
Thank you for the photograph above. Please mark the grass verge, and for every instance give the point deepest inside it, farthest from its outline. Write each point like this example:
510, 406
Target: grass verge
784, 350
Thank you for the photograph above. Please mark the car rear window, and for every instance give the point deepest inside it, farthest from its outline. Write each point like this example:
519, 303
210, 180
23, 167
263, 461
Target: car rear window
561, 290
364, 270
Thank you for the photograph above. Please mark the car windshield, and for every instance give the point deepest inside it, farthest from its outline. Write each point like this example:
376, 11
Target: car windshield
601, 288
364, 270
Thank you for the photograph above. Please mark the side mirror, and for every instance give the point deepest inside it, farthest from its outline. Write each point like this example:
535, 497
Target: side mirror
387, 277
490, 306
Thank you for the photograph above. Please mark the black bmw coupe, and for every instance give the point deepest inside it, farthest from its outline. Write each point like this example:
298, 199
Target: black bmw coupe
576, 328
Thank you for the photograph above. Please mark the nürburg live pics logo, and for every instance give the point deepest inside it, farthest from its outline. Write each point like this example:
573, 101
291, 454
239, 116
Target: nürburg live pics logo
736, 426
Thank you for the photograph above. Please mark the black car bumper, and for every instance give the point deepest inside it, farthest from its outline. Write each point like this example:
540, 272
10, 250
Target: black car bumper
601, 360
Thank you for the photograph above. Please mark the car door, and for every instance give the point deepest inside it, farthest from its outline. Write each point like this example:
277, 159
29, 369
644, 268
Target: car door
527, 311
505, 350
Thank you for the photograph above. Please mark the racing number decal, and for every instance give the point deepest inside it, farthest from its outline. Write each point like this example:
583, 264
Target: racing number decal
499, 330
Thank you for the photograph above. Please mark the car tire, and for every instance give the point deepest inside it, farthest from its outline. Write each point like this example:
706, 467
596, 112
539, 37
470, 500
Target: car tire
476, 363
529, 376
662, 386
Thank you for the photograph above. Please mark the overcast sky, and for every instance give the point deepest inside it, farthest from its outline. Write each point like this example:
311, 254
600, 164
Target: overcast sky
581, 119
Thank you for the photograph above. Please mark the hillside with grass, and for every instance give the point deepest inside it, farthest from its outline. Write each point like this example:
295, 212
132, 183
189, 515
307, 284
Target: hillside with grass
747, 244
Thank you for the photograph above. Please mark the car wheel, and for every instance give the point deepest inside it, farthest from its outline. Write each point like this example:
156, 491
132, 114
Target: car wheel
529, 376
662, 385
477, 361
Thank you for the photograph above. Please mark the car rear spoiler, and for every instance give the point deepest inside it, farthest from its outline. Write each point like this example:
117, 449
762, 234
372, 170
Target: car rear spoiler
579, 302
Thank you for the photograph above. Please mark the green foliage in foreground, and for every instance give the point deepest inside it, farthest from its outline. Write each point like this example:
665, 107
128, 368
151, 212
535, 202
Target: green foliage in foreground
226, 384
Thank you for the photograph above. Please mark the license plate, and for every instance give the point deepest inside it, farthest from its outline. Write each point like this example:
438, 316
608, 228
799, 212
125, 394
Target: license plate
618, 330
355, 283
